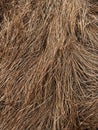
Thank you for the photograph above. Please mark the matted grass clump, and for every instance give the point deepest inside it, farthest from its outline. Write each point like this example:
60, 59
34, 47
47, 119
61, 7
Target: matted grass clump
48, 64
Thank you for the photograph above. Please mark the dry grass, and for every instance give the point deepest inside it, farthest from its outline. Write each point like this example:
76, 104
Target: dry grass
48, 65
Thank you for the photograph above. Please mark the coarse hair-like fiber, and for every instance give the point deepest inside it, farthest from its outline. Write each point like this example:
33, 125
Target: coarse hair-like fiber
48, 65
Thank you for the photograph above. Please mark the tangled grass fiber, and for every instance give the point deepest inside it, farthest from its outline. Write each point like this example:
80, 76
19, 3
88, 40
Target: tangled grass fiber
48, 65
